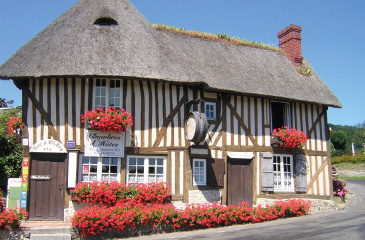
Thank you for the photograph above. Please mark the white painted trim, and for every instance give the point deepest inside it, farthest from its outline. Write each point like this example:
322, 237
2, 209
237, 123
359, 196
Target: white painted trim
72, 169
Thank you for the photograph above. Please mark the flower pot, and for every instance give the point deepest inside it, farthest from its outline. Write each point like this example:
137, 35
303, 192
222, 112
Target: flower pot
339, 199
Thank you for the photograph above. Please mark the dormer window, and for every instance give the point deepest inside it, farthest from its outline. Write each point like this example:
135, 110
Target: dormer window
105, 21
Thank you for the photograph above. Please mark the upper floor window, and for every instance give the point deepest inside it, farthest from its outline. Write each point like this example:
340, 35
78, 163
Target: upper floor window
280, 113
283, 173
145, 169
211, 110
107, 93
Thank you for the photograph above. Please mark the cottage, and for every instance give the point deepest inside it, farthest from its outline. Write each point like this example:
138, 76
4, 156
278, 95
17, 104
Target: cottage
204, 112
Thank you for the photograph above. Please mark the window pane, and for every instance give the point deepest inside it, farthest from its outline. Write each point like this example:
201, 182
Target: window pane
113, 169
132, 169
132, 161
105, 169
93, 160
140, 169
85, 160
93, 168
151, 170
160, 170
114, 161
106, 161
152, 161
140, 161
160, 161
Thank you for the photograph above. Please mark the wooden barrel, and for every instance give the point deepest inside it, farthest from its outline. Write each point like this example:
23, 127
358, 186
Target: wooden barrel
196, 127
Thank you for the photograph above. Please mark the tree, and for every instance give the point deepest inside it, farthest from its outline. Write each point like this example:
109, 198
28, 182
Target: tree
10, 148
339, 141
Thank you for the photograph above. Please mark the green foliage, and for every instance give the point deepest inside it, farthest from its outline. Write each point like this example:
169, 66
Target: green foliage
355, 134
339, 140
10, 149
219, 37
359, 158
305, 70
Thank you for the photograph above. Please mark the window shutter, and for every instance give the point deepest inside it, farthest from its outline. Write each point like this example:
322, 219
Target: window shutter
267, 172
300, 173
215, 172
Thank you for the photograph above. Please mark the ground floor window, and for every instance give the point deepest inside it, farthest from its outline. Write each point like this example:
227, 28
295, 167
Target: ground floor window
99, 169
283, 173
199, 171
146, 169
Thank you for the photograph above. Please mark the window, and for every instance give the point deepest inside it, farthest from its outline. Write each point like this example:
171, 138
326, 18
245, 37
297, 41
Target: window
211, 111
99, 169
283, 173
199, 172
107, 93
144, 169
280, 114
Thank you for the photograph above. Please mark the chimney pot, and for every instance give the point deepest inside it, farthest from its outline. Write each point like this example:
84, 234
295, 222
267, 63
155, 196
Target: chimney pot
290, 42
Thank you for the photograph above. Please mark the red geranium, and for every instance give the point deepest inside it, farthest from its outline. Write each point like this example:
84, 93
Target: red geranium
14, 124
290, 138
111, 120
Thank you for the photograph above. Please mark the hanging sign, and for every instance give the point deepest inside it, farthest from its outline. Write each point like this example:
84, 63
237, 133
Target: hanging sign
104, 144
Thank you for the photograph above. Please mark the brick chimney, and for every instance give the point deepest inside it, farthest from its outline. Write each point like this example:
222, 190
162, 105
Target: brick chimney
290, 42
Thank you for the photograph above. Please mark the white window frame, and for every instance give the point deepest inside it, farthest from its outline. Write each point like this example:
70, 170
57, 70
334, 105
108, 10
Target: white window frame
108, 94
99, 168
146, 166
196, 173
284, 187
214, 111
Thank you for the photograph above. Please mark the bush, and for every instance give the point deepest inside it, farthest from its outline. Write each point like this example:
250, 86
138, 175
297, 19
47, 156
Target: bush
360, 158
112, 193
96, 220
339, 188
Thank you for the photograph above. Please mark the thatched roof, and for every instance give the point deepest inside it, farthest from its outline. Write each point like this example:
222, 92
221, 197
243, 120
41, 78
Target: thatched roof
74, 46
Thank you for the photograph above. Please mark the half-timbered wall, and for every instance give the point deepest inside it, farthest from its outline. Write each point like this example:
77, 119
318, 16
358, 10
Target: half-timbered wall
243, 123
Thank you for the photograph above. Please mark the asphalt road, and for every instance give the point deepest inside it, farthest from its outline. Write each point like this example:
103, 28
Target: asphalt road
348, 223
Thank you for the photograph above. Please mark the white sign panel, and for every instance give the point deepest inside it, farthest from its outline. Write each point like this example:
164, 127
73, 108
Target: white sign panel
48, 145
104, 144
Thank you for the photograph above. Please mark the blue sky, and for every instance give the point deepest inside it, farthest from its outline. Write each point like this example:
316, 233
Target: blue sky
332, 37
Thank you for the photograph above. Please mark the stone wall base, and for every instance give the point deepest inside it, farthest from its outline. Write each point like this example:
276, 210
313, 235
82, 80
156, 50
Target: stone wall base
318, 205
205, 196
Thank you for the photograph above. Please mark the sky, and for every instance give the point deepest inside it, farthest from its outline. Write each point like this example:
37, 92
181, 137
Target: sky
333, 34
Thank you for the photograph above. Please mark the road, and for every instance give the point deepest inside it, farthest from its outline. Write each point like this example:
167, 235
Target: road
338, 224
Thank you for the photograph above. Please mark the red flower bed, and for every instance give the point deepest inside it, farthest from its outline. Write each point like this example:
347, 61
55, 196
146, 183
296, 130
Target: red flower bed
113, 120
290, 138
111, 193
96, 220
10, 218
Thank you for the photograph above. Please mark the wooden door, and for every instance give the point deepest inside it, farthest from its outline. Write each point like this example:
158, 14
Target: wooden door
47, 184
240, 179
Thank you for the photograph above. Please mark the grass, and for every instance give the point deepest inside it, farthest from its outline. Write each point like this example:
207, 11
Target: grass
351, 178
219, 37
